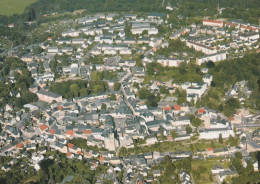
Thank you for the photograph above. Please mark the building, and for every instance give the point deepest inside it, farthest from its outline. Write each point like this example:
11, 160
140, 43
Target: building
211, 57
213, 23
199, 47
48, 96
252, 146
249, 36
207, 79
170, 62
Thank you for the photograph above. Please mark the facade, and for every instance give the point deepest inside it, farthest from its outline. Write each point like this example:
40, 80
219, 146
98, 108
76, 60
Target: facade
211, 57
213, 23
200, 47
48, 96
170, 62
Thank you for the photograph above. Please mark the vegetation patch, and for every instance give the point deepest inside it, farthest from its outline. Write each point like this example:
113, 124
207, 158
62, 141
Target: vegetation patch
10, 7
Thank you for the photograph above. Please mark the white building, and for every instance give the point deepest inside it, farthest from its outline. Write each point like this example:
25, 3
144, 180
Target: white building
249, 36
197, 88
213, 23
200, 47
71, 33
211, 57
207, 79
170, 62
213, 133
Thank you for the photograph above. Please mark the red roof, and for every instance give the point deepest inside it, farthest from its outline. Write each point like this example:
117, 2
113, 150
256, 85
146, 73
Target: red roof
248, 27
59, 108
210, 149
70, 145
201, 111
231, 118
79, 152
87, 131
70, 132
213, 21
20, 145
69, 154
230, 24
52, 131
167, 108
177, 107
43, 127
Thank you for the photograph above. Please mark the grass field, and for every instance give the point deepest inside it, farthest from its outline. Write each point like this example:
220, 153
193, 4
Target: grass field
204, 177
10, 7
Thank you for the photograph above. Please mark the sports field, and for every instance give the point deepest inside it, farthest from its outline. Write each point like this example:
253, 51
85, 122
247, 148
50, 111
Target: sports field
10, 7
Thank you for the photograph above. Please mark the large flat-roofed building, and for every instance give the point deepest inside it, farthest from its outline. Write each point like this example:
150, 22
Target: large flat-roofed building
48, 96
211, 57
213, 23
203, 48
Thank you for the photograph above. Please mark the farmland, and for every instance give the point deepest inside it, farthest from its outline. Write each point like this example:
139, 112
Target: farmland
10, 7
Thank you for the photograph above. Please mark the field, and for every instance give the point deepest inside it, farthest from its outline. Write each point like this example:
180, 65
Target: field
10, 7
205, 176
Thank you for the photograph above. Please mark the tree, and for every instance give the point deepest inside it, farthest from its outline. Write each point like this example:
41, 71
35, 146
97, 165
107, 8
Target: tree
96, 76
164, 90
220, 139
174, 134
117, 86
74, 88
210, 64
83, 92
123, 152
238, 155
188, 130
103, 106
196, 122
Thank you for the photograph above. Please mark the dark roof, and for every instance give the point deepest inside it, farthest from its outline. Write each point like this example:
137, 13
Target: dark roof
48, 93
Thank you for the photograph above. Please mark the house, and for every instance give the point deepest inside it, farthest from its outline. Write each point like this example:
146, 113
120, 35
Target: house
48, 96
178, 33
156, 173
27, 58
151, 139
207, 79
213, 23
197, 89
60, 147
216, 169
185, 177
228, 172
53, 50
72, 33
252, 146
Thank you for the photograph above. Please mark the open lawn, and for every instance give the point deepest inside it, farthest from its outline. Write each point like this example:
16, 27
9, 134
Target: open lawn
10, 7
201, 169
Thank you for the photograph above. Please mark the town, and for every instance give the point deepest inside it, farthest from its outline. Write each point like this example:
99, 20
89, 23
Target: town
98, 94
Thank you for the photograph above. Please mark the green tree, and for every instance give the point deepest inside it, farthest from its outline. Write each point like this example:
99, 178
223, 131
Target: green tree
74, 88
116, 86
220, 139
196, 122
188, 130
174, 134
